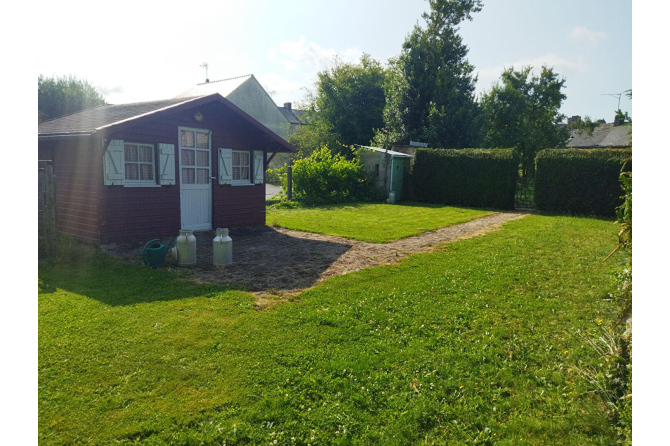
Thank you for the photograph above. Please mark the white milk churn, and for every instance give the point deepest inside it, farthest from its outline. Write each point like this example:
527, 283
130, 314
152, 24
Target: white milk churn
222, 248
184, 250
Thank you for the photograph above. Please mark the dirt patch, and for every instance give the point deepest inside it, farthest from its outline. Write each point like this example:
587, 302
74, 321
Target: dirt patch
276, 262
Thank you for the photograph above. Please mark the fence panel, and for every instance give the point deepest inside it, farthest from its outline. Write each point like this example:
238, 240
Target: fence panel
46, 213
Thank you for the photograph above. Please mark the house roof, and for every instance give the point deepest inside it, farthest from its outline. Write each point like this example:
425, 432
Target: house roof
224, 87
109, 118
390, 152
88, 121
293, 116
605, 135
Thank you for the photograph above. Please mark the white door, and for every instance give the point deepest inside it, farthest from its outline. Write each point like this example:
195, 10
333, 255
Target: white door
196, 178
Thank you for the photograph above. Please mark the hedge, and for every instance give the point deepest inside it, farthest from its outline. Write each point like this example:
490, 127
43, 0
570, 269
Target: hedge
466, 177
580, 181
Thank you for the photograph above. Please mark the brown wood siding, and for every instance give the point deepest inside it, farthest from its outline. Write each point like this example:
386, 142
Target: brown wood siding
143, 213
236, 206
78, 172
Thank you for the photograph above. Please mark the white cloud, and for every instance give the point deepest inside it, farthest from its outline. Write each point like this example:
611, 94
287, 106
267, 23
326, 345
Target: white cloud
302, 54
296, 64
583, 34
279, 88
490, 75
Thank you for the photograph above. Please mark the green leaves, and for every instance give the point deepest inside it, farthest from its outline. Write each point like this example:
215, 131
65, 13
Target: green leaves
580, 181
325, 177
522, 111
430, 87
60, 96
345, 109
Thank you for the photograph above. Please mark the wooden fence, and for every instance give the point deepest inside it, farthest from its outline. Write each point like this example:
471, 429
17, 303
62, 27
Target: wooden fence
46, 214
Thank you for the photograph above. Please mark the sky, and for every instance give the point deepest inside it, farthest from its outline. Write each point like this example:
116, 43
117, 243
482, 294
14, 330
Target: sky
145, 50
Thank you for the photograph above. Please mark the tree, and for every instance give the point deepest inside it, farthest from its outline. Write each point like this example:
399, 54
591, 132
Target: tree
430, 86
587, 125
523, 112
351, 98
59, 96
346, 107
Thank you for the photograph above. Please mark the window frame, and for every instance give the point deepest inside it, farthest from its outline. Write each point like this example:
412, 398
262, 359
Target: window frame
241, 182
139, 182
195, 166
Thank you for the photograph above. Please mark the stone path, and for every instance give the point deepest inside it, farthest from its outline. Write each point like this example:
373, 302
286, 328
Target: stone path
364, 255
275, 262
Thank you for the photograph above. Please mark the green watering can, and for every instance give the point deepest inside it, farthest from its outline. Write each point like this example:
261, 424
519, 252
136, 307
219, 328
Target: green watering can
154, 252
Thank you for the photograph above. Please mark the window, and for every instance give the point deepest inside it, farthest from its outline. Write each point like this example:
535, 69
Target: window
195, 157
140, 164
241, 167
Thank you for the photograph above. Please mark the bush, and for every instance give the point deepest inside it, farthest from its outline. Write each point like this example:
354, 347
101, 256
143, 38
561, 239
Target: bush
580, 181
466, 177
324, 177
276, 176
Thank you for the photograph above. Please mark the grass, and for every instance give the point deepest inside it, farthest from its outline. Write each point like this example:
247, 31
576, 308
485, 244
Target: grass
477, 343
377, 223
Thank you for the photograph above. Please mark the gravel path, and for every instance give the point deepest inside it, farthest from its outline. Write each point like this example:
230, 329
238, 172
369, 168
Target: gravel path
275, 262
364, 255
278, 261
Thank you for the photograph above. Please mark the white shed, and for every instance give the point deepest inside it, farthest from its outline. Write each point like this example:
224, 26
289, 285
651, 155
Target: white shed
389, 169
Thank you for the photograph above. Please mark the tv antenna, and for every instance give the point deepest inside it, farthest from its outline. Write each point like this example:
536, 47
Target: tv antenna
205, 66
615, 95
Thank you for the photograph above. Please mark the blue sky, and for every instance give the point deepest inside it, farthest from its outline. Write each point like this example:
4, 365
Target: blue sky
136, 51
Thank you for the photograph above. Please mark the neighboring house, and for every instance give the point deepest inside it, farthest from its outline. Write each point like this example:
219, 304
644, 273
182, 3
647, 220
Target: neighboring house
249, 95
295, 117
139, 171
605, 135
389, 168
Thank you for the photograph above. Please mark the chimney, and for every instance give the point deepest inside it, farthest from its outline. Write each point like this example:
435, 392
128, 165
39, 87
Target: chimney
287, 105
617, 120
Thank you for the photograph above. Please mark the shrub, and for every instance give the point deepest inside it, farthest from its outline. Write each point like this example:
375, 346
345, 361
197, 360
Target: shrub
324, 177
580, 181
466, 177
276, 176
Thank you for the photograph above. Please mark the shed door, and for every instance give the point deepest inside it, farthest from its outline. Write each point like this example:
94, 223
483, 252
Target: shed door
195, 160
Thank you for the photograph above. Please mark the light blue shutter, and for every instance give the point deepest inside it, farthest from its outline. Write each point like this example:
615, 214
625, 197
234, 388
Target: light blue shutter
225, 166
166, 175
113, 164
259, 166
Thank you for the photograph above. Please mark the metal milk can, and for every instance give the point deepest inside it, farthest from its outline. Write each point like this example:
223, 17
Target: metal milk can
185, 250
222, 248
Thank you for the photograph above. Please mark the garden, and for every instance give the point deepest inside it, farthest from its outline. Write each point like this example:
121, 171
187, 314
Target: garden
481, 340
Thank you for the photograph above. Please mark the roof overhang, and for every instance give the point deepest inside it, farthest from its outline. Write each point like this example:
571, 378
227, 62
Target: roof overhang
393, 153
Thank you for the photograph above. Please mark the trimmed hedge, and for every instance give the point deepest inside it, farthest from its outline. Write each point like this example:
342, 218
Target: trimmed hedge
466, 177
580, 181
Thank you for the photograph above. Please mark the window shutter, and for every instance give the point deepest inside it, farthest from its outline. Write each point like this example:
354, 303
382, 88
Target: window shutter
259, 166
225, 166
113, 164
166, 174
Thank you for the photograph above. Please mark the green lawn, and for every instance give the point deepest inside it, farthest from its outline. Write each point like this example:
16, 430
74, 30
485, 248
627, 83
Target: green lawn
378, 223
479, 342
